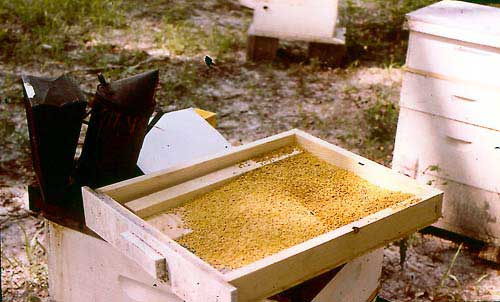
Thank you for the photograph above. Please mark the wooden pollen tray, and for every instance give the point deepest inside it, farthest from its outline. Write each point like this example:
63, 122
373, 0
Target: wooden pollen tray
117, 213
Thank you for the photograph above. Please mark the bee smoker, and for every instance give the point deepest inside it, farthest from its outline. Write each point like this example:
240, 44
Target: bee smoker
55, 108
116, 130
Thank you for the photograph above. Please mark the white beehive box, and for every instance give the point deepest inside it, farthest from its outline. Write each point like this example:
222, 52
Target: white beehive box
303, 20
117, 213
449, 127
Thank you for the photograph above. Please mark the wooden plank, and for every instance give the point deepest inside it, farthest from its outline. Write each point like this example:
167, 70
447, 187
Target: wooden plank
359, 280
367, 169
338, 37
191, 278
210, 117
458, 20
455, 79
470, 104
467, 210
150, 260
292, 266
261, 48
453, 58
102, 275
454, 150
141, 186
179, 194
177, 137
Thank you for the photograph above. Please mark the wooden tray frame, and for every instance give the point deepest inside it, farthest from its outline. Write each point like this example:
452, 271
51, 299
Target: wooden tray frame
193, 280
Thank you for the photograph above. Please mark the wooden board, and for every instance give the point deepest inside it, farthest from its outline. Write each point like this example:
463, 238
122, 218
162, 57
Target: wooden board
358, 280
448, 149
261, 48
210, 117
459, 101
453, 58
176, 195
458, 20
140, 186
179, 136
338, 37
102, 275
192, 278
469, 211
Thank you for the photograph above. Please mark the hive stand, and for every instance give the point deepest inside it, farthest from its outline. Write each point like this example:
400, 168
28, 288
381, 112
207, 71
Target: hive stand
83, 267
310, 22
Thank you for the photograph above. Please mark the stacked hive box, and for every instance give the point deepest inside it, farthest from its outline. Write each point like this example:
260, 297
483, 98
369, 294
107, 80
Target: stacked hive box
295, 20
449, 125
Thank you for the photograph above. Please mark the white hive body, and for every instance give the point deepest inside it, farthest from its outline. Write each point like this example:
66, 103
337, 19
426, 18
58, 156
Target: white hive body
448, 129
294, 19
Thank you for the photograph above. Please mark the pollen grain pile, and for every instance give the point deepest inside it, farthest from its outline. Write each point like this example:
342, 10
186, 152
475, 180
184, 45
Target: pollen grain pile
275, 207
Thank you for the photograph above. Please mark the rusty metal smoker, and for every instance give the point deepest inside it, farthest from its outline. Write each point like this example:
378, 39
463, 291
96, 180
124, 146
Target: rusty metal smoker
118, 124
55, 108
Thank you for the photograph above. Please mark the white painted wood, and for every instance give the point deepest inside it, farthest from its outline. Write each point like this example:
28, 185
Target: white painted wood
463, 153
365, 168
86, 268
151, 261
294, 19
358, 280
313, 257
459, 101
467, 210
338, 36
459, 20
454, 58
177, 137
104, 274
452, 82
191, 278
287, 268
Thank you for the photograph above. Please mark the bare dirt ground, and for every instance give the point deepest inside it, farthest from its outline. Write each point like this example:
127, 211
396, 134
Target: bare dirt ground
354, 107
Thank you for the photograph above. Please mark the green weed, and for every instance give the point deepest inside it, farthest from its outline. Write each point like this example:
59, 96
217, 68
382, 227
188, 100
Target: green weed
442, 290
30, 274
183, 37
375, 28
49, 27
13, 131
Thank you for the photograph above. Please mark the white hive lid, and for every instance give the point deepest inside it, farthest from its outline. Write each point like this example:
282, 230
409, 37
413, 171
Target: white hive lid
178, 137
459, 20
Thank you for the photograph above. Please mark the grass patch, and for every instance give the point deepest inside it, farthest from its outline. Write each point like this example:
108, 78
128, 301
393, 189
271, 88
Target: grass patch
381, 118
14, 140
29, 272
186, 38
375, 28
49, 27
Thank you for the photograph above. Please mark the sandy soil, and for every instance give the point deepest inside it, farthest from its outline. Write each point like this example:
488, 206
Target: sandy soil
252, 101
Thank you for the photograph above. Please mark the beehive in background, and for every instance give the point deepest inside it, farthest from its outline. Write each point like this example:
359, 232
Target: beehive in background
449, 127
299, 19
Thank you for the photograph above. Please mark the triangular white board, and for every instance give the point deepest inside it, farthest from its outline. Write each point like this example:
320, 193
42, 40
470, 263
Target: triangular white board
177, 137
